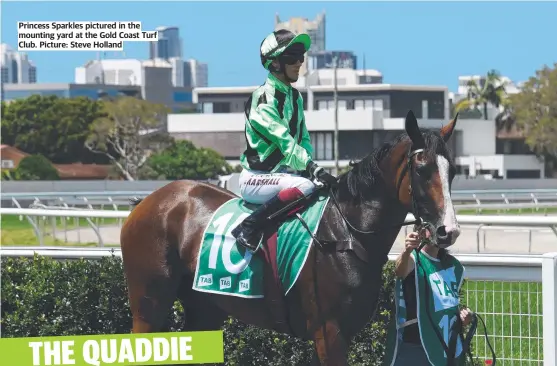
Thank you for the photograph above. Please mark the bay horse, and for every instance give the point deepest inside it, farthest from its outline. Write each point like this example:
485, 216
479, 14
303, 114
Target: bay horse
337, 291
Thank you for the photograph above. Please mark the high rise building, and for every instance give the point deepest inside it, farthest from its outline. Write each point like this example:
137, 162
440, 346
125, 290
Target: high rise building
152, 80
16, 67
185, 73
189, 73
180, 71
198, 73
112, 72
314, 28
324, 60
168, 45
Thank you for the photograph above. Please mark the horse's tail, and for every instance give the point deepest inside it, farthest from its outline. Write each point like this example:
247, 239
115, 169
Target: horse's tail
134, 201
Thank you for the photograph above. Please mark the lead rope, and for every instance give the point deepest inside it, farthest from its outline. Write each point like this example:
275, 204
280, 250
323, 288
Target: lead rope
465, 342
423, 241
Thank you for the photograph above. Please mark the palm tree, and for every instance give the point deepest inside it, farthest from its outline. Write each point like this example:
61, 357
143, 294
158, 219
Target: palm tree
492, 92
505, 118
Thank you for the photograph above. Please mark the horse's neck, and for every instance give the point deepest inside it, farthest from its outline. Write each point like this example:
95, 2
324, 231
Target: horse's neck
379, 213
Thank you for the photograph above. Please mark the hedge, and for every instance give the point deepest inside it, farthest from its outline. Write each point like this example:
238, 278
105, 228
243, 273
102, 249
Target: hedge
46, 297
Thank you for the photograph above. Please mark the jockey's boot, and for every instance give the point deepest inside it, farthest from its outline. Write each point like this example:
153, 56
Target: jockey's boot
249, 232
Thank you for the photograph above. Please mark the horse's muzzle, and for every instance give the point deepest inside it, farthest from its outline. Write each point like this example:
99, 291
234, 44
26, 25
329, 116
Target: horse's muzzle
445, 238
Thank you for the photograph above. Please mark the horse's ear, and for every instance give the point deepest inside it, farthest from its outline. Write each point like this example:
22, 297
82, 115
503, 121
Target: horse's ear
413, 131
447, 130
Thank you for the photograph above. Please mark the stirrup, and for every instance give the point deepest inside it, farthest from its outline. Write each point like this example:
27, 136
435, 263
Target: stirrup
244, 243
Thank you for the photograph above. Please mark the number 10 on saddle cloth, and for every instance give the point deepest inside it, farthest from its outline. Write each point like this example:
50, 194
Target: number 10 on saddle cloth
225, 268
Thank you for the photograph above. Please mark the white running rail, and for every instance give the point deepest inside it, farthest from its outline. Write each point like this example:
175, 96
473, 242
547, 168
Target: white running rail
501, 220
483, 221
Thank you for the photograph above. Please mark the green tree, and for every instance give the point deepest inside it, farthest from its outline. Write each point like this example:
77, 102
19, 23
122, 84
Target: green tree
8, 174
129, 133
35, 167
492, 92
535, 111
182, 160
51, 126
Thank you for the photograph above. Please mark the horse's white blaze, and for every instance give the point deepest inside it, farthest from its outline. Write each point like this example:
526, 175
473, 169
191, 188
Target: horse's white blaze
449, 215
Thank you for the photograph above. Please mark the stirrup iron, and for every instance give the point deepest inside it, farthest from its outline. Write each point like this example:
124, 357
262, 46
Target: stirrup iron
248, 246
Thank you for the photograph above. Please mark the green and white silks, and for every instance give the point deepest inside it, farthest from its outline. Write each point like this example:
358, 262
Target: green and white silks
276, 133
445, 279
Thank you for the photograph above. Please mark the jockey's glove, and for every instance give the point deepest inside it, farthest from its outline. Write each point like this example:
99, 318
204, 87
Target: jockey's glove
317, 172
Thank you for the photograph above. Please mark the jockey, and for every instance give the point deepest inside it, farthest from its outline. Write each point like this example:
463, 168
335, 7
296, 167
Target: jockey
277, 137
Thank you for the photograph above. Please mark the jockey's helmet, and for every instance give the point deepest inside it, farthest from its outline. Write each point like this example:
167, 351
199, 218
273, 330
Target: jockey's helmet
277, 42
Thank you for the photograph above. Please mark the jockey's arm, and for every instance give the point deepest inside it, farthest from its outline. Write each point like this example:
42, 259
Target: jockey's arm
267, 121
306, 141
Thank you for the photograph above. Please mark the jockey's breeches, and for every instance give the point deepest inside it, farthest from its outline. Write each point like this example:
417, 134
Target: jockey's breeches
259, 187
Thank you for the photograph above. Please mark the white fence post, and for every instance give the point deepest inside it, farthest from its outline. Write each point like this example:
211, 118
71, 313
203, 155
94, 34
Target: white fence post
549, 295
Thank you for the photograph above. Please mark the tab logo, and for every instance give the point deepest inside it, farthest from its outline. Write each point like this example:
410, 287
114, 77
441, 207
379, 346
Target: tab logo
225, 282
445, 289
244, 285
205, 280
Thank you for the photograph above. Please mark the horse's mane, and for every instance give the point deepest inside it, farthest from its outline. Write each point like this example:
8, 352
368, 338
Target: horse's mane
366, 176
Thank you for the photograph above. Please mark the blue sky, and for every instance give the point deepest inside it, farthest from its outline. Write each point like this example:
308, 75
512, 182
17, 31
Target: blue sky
427, 43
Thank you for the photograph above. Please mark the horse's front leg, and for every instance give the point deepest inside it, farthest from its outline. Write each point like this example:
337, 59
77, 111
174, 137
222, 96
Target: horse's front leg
331, 347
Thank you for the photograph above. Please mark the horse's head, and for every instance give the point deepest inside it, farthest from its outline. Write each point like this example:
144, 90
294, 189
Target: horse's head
428, 172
